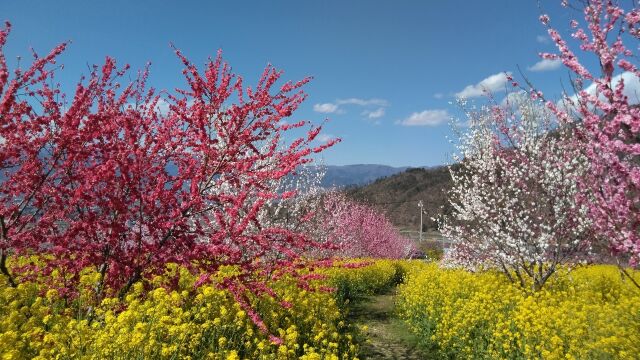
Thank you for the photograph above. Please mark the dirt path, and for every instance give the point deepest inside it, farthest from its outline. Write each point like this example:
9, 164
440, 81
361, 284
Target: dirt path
388, 336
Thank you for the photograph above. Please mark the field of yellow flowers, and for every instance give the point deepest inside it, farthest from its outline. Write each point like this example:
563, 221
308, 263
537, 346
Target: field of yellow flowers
588, 313
187, 323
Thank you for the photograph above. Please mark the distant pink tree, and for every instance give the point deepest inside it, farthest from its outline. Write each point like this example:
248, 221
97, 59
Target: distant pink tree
125, 179
360, 230
609, 115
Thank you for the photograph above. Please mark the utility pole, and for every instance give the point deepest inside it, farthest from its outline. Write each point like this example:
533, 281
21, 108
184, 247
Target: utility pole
420, 205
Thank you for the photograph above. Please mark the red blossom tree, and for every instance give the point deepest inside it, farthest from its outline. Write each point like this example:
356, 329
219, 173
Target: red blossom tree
125, 179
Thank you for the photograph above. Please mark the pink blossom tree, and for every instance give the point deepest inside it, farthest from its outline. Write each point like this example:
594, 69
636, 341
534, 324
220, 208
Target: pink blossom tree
605, 104
125, 179
359, 230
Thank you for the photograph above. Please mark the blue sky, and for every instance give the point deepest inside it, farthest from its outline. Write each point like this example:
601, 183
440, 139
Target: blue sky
384, 72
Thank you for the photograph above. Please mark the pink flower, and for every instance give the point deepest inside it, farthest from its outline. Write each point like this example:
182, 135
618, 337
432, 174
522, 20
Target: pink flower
130, 188
544, 19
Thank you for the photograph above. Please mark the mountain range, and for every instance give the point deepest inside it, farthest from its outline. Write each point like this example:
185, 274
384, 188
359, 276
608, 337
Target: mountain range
356, 175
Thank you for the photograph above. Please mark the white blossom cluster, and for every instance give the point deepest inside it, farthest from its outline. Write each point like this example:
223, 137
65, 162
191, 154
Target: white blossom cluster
514, 193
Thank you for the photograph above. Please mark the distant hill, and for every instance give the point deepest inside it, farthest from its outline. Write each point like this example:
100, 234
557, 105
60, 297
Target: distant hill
360, 174
398, 196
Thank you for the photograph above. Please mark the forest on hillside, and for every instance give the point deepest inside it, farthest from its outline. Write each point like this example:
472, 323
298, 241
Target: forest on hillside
398, 196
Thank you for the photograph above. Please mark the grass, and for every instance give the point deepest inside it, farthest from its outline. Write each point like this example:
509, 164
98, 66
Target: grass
387, 336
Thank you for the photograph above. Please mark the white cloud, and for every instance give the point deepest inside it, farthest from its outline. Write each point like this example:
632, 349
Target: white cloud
438, 95
513, 98
631, 86
631, 89
426, 118
542, 39
162, 107
492, 83
363, 102
337, 107
325, 138
326, 108
375, 114
546, 65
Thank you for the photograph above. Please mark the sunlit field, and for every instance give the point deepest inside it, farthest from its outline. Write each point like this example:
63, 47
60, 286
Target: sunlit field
588, 312
400, 192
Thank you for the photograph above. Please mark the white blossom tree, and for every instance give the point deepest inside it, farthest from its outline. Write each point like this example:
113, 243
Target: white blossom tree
514, 193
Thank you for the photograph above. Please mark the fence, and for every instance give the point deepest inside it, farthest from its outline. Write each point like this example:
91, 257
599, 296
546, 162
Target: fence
427, 236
